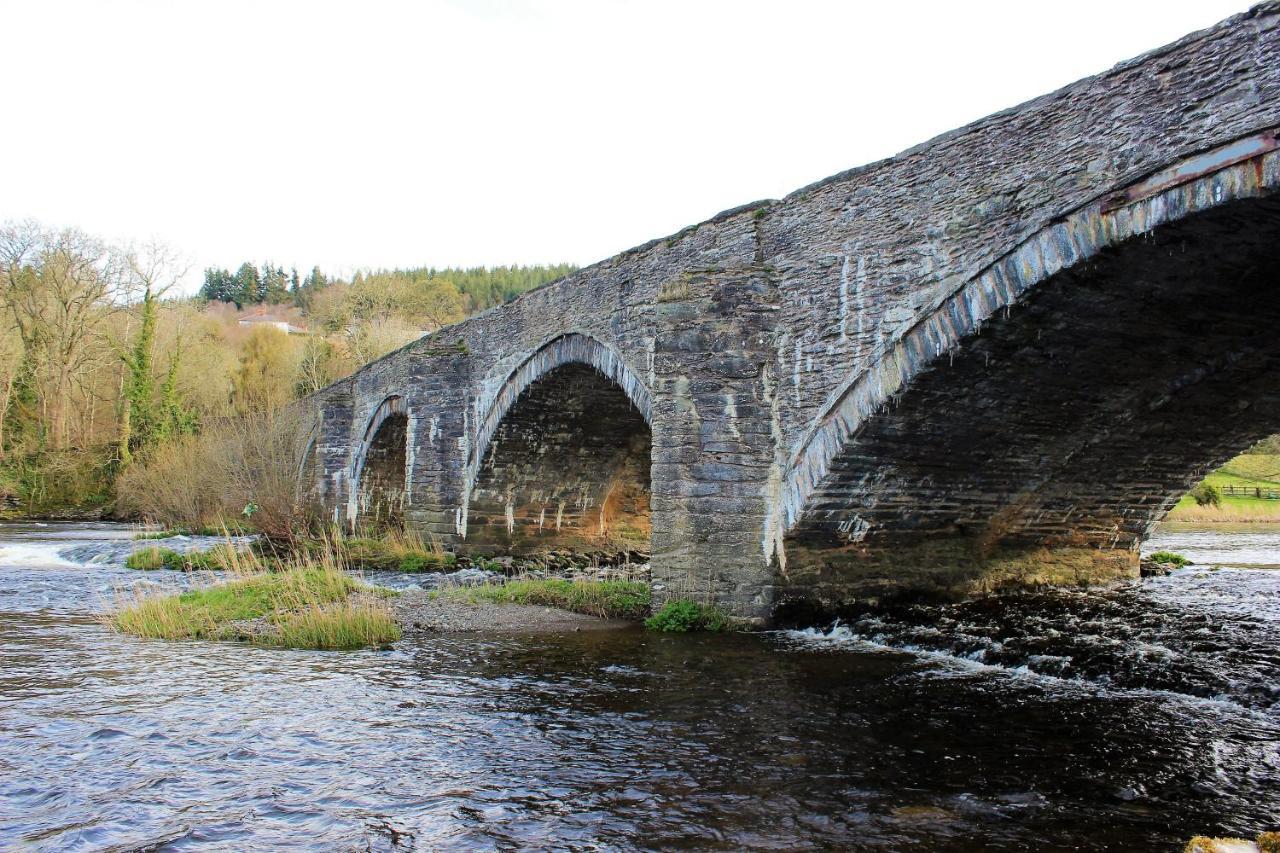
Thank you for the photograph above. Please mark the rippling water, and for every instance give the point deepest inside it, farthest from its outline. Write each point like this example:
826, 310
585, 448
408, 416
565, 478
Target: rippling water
1121, 720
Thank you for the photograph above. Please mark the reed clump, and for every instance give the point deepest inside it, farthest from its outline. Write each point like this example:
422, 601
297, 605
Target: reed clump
392, 550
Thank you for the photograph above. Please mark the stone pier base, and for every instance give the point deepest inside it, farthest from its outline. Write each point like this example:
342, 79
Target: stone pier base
943, 569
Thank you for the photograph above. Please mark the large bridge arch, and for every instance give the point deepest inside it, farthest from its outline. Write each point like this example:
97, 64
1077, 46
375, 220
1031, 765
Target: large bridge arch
378, 482
562, 454
843, 478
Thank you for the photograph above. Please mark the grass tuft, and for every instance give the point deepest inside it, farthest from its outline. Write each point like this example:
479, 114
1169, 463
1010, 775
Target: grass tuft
608, 599
681, 615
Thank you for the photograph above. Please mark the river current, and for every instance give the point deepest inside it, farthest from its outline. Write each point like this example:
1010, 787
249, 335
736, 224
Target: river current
1057, 720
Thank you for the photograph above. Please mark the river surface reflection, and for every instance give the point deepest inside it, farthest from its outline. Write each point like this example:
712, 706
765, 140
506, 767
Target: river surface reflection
1129, 719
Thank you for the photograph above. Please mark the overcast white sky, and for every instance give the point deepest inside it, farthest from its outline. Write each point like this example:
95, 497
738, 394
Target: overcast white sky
366, 134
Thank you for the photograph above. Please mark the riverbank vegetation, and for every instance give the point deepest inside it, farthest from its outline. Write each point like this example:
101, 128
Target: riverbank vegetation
682, 615
302, 603
606, 599
104, 364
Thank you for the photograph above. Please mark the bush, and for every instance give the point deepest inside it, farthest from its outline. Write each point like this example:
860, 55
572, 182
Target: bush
208, 480
1169, 558
57, 482
682, 615
1206, 494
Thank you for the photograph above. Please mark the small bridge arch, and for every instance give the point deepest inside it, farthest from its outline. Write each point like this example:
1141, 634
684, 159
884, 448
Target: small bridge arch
380, 469
562, 453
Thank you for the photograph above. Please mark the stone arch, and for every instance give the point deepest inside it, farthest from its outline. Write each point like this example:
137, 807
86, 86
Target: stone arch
379, 484
562, 455
308, 464
557, 352
1246, 169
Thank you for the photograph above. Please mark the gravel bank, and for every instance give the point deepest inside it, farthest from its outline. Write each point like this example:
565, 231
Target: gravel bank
419, 615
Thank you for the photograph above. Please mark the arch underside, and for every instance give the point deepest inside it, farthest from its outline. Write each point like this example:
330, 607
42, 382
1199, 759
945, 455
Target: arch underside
1070, 425
379, 481
567, 468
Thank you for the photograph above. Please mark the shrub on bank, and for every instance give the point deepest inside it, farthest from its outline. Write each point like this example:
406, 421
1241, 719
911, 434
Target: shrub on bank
682, 615
1206, 494
609, 599
57, 483
1167, 558
243, 469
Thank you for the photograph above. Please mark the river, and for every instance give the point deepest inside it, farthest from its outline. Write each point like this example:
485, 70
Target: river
1121, 720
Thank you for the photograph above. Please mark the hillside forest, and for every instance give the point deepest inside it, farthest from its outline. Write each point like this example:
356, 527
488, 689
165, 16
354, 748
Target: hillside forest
103, 362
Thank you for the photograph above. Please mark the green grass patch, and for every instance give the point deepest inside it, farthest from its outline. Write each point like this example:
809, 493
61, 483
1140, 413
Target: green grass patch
392, 553
1169, 558
310, 606
215, 559
155, 557
682, 615
605, 599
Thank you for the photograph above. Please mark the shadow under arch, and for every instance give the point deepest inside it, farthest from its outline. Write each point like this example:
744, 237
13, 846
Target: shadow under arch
1134, 309
379, 471
562, 454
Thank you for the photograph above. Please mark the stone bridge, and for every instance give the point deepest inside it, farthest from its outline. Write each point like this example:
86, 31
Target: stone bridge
1000, 356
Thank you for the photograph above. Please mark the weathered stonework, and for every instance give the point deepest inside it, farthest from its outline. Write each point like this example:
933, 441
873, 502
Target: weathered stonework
1014, 341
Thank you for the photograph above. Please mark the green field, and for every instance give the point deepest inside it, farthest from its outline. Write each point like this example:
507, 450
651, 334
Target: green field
1249, 471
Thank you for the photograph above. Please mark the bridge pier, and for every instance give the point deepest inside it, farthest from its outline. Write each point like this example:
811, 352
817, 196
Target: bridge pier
437, 384
713, 442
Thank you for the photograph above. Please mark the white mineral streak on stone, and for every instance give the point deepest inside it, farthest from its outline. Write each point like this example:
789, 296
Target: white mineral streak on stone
731, 415
844, 298
542, 519
854, 528
410, 457
860, 296
510, 514
650, 346
433, 431
795, 372
559, 514
771, 541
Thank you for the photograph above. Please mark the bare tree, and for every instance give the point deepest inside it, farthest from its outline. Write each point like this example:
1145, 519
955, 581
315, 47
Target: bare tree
58, 287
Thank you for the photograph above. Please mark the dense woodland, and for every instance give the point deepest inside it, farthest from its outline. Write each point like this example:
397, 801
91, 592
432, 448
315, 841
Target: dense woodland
103, 362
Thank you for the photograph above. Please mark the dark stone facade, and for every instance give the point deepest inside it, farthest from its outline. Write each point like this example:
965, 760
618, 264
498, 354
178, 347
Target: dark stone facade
1016, 341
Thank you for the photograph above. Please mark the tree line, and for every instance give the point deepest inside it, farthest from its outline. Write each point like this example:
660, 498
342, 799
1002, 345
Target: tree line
102, 361
472, 288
